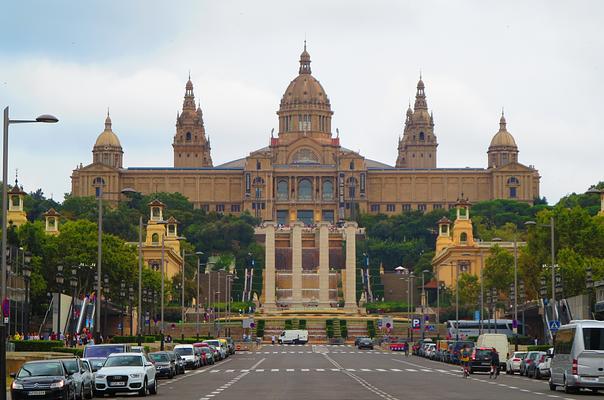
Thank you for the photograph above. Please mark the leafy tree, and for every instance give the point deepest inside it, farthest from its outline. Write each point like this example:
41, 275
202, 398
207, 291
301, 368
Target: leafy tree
469, 289
499, 269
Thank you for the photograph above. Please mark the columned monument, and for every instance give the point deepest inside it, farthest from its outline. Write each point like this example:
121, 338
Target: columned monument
309, 268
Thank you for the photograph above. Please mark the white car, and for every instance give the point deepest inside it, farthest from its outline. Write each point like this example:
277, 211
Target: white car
124, 373
512, 364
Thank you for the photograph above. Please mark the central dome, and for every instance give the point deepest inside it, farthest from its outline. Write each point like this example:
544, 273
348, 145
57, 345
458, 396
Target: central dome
305, 90
107, 137
503, 138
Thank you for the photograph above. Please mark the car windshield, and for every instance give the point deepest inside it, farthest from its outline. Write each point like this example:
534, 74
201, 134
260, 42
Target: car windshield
184, 351
40, 369
71, 366
483, 353
519, 355
102, 351
159, 357
124, 361
206, 350
215, 343
593, 338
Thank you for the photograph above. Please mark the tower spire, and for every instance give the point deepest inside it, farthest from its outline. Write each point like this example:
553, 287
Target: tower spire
502, 122
108, 121
304, 61
420, 96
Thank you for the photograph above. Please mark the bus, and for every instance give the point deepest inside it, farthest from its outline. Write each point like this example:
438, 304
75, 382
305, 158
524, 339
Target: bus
469, 328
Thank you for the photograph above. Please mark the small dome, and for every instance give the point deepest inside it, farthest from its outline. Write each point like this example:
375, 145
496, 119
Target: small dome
420, 84
305, 89
503, 138
107, 137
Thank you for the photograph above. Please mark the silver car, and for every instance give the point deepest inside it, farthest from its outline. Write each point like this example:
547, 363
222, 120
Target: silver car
578, 360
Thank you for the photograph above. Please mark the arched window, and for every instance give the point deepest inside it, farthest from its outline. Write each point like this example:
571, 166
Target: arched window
282, 190
422, 136
305, 189
155, 238
258, 181
352, 165
188, 136
305, 156
328, 190
513, 181
463, 237
16, 201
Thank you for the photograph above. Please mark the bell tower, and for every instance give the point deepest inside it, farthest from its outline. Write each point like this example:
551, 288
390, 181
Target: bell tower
417, 148
191, 147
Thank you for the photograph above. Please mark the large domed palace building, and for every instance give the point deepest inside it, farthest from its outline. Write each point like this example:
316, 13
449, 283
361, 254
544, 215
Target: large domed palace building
304, 173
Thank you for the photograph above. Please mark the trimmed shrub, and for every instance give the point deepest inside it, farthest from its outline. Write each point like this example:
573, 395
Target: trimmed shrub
539, 347
302, 324
37, 345
260, 328
329, 328
71, 350
288, 324
343, 329
371, 328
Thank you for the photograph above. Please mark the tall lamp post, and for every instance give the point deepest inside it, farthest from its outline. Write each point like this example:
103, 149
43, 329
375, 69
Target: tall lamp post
122, 301
553, 259
199, 254
423, 324
130, 304
59, 279
26, 278
7, 122
73, 282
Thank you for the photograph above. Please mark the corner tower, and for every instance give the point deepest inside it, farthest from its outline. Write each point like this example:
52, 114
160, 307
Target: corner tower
417, 148
305, 109
191, 147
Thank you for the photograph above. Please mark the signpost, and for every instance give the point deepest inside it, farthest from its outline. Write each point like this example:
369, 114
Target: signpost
554, 326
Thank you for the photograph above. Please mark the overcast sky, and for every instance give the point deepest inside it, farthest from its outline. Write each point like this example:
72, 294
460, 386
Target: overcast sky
541, 60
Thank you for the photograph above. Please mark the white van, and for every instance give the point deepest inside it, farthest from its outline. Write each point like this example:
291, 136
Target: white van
497, 341
294, 336
578, 360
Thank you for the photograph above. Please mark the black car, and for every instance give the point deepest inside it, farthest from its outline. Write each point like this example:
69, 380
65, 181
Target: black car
82, 378
164, 366
481, 359
179, 362
45, 379
365, 343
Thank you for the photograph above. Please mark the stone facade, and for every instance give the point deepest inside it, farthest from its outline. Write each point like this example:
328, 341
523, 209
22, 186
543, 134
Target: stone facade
304, 174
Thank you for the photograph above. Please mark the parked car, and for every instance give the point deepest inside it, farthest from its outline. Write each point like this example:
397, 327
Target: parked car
512, 364
138, 349
42, 379
209, 354
164, 366
187, 351
365, 343
124, 373
88, 366
179, 362
231, 345
542, 369
480, 359
531, 367
98, 353
219, 345
578, 360
527, 360
82, 378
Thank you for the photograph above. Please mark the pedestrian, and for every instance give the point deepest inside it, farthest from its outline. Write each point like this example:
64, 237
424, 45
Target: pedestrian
273, 339
536, 341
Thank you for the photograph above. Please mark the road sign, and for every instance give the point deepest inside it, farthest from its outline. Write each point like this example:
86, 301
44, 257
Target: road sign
248, 323
554, 325
415, 323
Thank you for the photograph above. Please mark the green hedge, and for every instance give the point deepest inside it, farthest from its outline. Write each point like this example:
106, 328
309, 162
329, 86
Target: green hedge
371, 328
192, 340
288, 324
387, 306
37, 345
329, 328
539, 347
134, 339
302, 324
343, 329
71, 350
260, 328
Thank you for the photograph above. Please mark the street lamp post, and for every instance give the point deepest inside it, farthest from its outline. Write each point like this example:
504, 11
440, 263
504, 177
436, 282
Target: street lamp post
122, 301
7, 122
199, 254
73, 282
27, 278
106, 292
59, 279
457, 301
144, 310
589, 284
553, 258
423, 323
130, 303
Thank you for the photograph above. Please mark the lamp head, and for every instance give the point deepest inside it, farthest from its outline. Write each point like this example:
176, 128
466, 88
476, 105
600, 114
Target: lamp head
47, 118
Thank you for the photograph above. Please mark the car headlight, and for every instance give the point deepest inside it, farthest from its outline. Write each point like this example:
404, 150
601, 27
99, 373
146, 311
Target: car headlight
57, 385
17, 385
136, 375
100, 376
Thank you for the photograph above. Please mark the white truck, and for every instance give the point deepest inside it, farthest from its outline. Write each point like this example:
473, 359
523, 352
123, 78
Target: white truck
293, 336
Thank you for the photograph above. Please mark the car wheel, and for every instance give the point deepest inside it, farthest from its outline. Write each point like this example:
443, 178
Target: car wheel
569, 389
144, 389
552, 387
153, 388
90, 393
537, 374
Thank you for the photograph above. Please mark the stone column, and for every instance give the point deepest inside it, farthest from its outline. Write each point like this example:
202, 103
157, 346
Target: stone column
323, 265
269, 266
296, 242
350, 301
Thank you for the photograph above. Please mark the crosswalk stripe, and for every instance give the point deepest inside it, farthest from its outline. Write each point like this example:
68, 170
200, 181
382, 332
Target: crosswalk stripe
230, 370
275, 370
380, 369
365, 369
319, 370
305, 370
290, 370
335, 369
350, 369
426, 370
259, 370
214, 371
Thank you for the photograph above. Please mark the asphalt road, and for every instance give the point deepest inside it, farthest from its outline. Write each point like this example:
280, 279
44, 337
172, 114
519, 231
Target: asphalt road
343, 372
